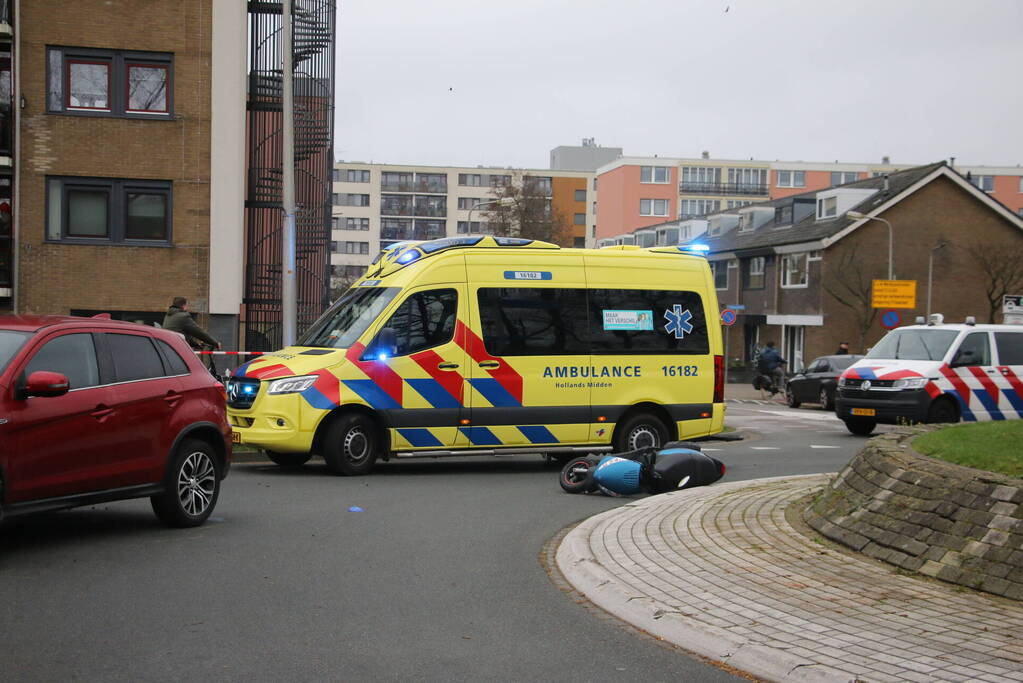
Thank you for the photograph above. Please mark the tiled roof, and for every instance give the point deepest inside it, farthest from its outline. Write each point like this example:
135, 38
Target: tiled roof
809, 229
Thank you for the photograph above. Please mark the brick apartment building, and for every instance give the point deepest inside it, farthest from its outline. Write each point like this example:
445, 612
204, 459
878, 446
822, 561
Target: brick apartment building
799, 269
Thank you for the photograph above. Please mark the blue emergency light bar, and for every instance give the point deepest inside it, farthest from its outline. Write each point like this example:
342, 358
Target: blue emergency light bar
700, 249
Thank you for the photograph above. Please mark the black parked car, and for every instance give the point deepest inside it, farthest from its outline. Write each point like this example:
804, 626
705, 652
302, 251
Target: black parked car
816, 383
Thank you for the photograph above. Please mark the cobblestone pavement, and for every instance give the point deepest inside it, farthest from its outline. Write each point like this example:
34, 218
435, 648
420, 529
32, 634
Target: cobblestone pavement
719, 571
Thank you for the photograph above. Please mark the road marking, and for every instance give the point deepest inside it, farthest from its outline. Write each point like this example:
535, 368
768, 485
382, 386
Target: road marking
813, 445
765, 448
710, 450
818, 417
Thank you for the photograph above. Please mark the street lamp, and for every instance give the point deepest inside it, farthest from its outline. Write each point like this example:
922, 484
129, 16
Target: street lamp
503, 201
930, 272
864, 217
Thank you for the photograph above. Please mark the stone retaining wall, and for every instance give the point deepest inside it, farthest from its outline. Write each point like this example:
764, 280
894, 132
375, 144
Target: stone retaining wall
954, 523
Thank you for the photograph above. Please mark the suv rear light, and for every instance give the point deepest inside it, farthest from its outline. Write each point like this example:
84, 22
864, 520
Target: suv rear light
719, 379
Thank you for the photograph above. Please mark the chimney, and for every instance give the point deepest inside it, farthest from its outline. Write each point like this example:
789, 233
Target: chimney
705, 155
886, 160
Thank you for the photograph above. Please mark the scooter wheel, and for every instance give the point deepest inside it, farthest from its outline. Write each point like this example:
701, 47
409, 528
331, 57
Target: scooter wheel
577, 475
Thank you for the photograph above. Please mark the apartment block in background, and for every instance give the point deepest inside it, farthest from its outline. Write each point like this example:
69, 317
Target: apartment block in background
379, 204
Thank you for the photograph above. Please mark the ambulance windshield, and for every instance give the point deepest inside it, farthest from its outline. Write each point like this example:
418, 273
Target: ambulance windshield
345, 321
914, 345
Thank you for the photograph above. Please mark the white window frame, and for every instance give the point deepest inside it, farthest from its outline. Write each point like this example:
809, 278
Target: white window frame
791, 179
716, 265
651, 172
979, 181
827, 207
844, 177
652, 207
785, 270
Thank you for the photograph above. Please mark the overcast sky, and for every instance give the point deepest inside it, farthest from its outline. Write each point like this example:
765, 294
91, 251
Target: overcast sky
501, 82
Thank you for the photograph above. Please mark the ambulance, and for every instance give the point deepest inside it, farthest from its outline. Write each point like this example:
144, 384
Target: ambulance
935, 372
481, 345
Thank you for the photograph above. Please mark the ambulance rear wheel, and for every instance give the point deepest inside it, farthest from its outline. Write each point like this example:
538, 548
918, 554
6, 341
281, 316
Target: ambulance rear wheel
350, 445
639, 431
289, 459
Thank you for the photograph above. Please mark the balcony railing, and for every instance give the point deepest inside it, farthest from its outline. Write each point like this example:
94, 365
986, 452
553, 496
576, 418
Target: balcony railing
397, 186
432, 186
724, 189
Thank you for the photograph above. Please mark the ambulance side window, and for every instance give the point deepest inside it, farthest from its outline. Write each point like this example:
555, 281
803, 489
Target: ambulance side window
647, 321
533, 321
424, 320
974, 350
1010, 348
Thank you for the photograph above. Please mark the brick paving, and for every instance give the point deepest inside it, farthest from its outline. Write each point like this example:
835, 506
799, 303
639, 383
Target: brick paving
719, 571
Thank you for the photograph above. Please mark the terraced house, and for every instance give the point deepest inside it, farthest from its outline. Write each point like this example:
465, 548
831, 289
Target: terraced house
799, 270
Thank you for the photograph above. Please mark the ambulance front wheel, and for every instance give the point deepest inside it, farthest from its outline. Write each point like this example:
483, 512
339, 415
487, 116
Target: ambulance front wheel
351, 444
638, 431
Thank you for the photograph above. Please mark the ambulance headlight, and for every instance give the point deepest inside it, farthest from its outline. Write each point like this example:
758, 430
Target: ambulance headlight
291, 385
910, 383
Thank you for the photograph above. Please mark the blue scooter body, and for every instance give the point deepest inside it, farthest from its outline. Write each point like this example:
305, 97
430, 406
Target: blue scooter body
618, 475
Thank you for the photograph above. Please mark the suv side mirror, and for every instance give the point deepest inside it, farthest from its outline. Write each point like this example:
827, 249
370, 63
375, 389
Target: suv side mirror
385, 345
46, 383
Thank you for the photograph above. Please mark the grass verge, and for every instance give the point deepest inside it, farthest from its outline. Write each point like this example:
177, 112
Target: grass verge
992, 446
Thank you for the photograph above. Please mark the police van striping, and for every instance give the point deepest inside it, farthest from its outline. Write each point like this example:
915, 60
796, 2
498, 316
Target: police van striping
490, 345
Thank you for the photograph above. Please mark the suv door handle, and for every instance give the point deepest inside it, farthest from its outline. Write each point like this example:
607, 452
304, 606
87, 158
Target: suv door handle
172, 398
489, 364
447, 366
102, 412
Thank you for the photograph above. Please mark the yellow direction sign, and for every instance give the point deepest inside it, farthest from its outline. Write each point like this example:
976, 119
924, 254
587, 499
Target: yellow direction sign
893, 294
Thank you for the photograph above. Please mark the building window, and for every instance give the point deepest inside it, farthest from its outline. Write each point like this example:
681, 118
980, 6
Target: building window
396, 229
580, 195
653, 207
470, 179
720, 270
464, 228
983, 182
108, 82
355, 175
429, 230
345, 199
579, 219
436, 207
748, 180
793, 270
791, 179
827, 207
356, 247
466, 203
654, 174
394, 181
499, 180
356, 224
737, 203
91, 210
396, 205
537, 184
436, 183
755, 272
701, 179
843, 177
1021, 184
698, 207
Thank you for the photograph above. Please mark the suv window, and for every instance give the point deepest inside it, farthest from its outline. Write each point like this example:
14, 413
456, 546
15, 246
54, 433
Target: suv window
424, 320
1010, 347
975, 350
176, 363
135, 357
73, 355
533, 321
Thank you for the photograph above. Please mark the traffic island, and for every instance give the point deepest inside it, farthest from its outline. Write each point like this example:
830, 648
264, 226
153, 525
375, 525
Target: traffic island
950, 522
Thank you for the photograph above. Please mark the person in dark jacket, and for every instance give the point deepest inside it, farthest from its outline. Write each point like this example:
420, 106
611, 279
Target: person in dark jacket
179, 320
843, 349
771, 363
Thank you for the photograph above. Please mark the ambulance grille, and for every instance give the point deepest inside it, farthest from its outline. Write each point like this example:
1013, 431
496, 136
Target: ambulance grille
241, 392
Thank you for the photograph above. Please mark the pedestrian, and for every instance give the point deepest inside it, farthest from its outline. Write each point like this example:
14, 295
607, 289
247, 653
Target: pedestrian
773, 364
179, 320
843, 349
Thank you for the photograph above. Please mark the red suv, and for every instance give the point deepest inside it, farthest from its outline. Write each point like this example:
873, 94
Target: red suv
94, 410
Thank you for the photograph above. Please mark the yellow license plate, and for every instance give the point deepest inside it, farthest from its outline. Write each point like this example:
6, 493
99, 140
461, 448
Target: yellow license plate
236, 437
865, 412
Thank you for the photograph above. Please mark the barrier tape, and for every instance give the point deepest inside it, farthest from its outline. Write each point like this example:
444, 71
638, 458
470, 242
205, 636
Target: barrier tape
231, 353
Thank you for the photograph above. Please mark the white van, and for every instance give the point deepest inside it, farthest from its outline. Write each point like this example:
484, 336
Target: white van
935, 373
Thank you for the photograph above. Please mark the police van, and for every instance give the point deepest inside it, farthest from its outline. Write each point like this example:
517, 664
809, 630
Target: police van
489, 345
935, 372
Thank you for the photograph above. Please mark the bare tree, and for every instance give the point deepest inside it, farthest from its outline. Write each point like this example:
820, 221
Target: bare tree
848, 279
526, 211
1000, 267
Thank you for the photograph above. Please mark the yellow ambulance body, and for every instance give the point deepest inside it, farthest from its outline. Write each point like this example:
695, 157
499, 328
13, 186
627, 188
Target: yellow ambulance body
481, 345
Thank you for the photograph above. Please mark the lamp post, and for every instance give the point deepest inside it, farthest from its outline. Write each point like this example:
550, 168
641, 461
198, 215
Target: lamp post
861, 217
503, 201
930, 272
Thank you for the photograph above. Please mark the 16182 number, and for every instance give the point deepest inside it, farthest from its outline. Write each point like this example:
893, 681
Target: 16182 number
679, 370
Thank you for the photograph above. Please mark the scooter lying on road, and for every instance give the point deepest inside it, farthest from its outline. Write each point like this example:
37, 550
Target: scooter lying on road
679, 465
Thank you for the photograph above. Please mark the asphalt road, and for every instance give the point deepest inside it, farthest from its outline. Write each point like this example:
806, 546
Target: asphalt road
424, 570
